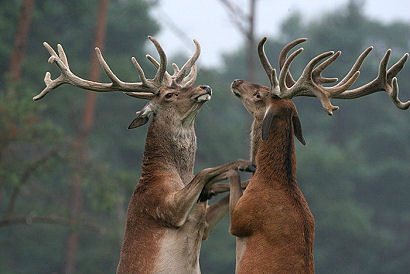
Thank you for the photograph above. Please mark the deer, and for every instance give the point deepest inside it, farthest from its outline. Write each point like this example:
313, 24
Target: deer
168, 215
271, 219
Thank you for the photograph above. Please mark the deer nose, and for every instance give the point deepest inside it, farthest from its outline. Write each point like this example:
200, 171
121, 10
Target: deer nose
236, 83
207, 89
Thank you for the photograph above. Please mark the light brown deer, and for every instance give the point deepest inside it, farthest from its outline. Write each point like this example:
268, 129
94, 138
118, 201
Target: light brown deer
271, 220
165, 221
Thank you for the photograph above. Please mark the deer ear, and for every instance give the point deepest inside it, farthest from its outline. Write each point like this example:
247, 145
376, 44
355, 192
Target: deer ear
142, 116
297, 128
267, 122
137, 122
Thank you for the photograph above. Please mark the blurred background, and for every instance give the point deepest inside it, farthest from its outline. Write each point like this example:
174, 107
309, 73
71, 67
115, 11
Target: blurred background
68, 165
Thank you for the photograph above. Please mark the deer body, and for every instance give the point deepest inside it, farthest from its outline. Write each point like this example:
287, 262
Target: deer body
150, 238
165, 222
272, 220
167, 216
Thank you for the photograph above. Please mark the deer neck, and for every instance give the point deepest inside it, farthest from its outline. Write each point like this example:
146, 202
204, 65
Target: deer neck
275, 157
170, 148
256, 133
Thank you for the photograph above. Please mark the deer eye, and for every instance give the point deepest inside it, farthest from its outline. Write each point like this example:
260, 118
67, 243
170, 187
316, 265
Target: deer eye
257, 95
168, 95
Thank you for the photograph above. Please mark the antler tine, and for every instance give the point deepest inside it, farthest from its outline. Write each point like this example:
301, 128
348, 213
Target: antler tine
191, 78
176, 68
106, 68
140, 95
316, 73
167, 77
159, 76
397, 67
187, 66
285, 69
62, 55
152, 60
282, 58
264, 60
140, 71
274, 79
385, 81
356, 66
394, 95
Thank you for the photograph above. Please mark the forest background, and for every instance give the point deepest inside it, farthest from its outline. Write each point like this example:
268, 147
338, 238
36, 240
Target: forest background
63, 207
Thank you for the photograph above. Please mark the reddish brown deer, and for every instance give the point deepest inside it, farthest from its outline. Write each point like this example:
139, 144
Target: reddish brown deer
165, 221
271, 220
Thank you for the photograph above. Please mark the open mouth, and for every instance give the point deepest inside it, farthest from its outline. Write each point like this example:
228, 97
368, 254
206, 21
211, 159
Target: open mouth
236, 93
203, 98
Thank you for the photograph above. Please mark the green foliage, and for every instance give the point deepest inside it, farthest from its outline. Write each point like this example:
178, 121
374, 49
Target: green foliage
24, 136
354, 171
109, 176
31, 150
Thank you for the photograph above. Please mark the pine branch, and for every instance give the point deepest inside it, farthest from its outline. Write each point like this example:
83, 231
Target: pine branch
30, 219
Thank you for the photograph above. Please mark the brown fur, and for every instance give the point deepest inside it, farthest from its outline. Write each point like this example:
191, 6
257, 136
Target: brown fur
161, 175
272, 221
165, 223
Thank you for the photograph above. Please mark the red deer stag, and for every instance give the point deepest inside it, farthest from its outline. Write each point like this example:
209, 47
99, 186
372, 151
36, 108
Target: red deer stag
165, 221
272, 221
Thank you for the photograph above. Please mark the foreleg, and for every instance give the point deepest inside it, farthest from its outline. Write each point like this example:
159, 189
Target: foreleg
179, 204
214, 214
240, 223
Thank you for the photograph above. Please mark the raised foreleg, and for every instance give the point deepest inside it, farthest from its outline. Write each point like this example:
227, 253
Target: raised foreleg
240, 221
217, 211
214, 214
235, 192
178, 205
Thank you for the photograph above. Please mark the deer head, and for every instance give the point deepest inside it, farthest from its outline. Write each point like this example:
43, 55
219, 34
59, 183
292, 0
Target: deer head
172, 98
174, 105
266, 104
265, 107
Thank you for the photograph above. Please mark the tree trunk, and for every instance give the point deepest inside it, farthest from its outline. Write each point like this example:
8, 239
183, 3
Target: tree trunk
23, 26
20, 39
80, 144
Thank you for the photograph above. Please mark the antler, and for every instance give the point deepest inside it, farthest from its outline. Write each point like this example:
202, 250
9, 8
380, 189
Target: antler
179, 76
310, 82
385, 80
146, 89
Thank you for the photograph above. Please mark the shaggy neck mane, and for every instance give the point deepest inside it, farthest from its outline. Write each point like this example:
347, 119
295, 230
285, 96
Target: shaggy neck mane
169, 148
255, 138
275, 157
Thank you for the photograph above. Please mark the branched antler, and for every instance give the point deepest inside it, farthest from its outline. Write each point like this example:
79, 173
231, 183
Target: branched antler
385, 81
146, 89
310, 82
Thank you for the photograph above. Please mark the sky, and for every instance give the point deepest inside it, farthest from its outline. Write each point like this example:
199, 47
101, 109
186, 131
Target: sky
209, 23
